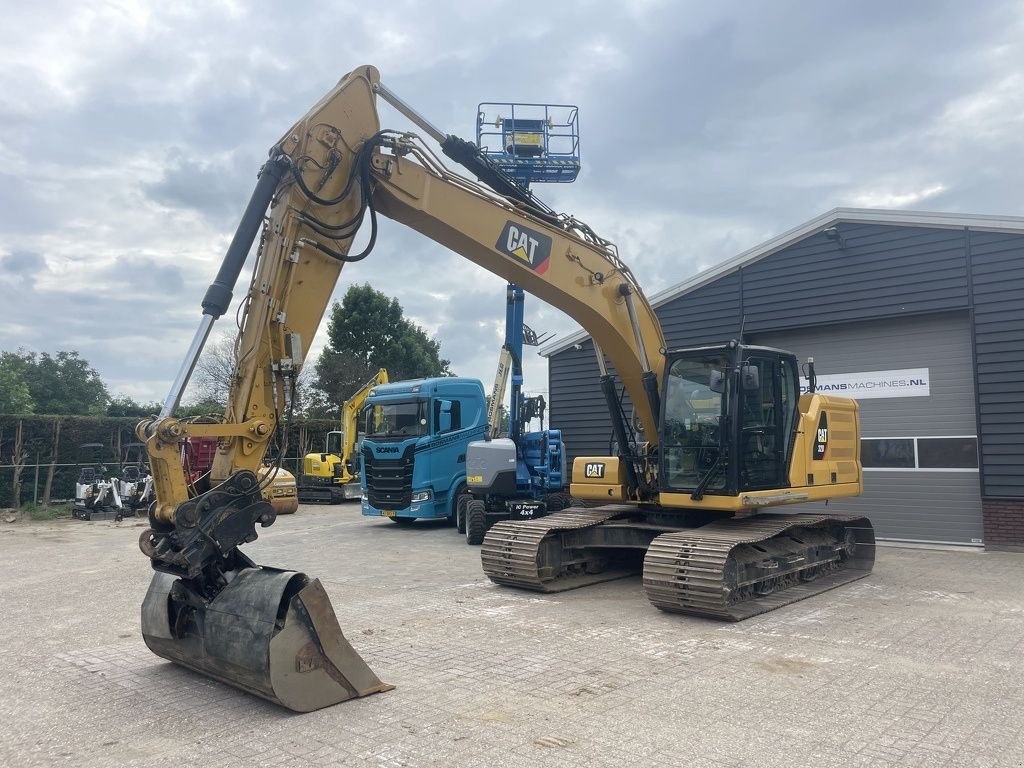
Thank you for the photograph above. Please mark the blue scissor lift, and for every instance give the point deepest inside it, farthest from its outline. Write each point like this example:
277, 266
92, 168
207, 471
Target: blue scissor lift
531, 142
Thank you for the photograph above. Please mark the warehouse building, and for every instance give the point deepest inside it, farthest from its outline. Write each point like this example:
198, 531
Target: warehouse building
920, 316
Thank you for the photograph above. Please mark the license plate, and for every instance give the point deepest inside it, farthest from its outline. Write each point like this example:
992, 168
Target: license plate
387, 512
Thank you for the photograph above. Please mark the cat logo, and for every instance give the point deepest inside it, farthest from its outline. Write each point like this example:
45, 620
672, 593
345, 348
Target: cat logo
820, 438
524, 244
594, 469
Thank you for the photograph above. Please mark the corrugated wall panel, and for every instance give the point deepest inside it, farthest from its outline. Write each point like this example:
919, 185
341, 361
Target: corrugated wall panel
708, 315
941, 343
921, 506
576, 404
898, 509
997, 278
880, 271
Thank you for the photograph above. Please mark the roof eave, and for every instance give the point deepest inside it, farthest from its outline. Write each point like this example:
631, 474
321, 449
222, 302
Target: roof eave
825, 220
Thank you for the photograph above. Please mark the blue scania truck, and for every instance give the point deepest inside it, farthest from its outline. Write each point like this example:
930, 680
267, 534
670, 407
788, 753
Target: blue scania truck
413, 450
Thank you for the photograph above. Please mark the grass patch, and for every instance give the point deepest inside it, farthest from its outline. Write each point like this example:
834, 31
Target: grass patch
52, 512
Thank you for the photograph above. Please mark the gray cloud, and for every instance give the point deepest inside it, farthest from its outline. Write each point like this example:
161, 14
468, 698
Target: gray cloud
22, 263
210, 187
130, 140
145, 277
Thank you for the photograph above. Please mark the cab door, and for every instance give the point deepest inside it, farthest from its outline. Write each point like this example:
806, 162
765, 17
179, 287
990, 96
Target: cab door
768, 395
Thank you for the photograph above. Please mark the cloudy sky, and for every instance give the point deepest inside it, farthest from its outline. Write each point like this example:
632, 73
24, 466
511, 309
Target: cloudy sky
130, 135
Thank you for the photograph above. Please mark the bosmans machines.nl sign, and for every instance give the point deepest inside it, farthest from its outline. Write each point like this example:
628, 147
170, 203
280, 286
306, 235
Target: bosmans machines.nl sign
907, 382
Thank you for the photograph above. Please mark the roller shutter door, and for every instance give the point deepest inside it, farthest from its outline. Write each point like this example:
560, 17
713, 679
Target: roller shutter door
922, 487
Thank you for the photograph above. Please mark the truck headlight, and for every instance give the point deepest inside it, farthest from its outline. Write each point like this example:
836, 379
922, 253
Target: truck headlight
422, 496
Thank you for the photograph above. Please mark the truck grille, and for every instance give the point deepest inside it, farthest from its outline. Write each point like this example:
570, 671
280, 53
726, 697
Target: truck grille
389, 481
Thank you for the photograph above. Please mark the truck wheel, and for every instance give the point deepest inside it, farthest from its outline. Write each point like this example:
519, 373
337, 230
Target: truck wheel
453, 518
476, 521
460, 511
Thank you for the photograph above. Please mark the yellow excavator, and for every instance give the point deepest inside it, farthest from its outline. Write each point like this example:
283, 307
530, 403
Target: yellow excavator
333, 476
721, 435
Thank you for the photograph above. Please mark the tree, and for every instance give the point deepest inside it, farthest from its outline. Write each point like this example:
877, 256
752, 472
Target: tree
61, 384
15, 397
123, 405
367, 330
51, 470
19, 458
199, 408
213, 375
211, 379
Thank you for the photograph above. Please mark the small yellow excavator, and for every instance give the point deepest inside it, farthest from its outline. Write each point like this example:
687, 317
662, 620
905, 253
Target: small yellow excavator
333, 476
723, 435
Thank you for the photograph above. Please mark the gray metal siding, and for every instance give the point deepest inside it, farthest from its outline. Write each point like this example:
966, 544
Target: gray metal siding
881, 271
912, 505
997, 279
941, 343
576, 404
709, 315
903, 506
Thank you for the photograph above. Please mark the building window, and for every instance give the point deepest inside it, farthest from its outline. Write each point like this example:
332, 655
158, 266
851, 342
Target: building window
888, 453
947, 452
933, 454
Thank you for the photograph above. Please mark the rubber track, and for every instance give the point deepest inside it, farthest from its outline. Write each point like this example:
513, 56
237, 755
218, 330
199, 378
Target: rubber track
511, 549
684, 571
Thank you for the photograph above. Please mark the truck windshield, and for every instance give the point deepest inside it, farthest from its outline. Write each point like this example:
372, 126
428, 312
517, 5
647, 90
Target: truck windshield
396, 420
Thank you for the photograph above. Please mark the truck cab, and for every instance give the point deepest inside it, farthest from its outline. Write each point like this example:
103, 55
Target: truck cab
413, 452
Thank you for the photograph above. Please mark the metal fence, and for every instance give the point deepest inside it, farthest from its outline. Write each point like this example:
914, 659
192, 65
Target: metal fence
62, 487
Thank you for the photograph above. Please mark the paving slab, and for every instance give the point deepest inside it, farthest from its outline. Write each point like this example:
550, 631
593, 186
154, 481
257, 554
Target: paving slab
921, 664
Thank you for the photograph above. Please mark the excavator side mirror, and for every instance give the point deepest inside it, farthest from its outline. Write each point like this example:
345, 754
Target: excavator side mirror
750, 378
716, 382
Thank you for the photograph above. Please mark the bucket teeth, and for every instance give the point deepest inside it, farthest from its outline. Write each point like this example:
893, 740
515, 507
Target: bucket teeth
268, 632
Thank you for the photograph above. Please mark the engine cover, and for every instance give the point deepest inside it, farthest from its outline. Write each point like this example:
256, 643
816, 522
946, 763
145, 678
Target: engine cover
491, 466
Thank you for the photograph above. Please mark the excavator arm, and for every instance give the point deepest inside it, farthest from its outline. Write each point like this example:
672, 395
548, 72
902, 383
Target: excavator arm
268, 631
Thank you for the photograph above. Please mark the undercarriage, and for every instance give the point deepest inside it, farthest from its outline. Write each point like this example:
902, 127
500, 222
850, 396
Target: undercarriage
727, 569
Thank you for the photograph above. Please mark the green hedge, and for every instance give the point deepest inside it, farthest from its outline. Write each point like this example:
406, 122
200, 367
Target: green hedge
304, 436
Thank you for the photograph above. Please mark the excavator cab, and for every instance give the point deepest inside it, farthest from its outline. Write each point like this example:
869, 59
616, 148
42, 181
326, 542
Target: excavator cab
334, 442
729, 415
